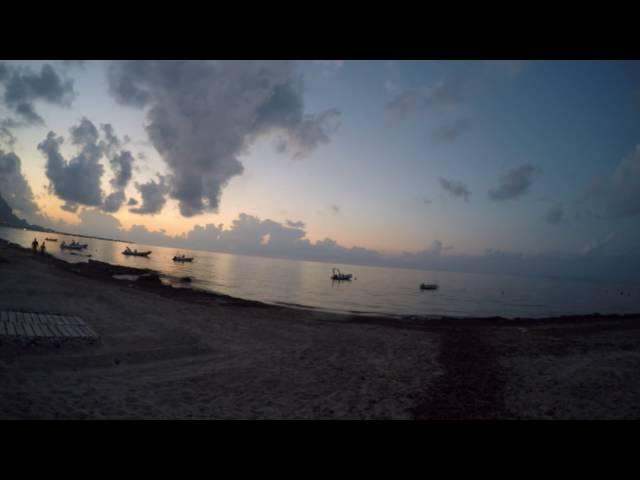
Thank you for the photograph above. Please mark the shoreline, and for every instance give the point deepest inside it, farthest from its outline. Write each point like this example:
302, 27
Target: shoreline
150, 280
178, 353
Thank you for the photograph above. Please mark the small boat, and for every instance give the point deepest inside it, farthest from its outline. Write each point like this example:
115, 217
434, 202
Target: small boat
51, 239
338, 275
428, 286
182, 258
73, 246
135, 253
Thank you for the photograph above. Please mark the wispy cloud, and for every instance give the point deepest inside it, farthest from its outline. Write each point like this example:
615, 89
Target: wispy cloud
449, 132
455, 188
440, 95
555, 214
514, 183
618, 194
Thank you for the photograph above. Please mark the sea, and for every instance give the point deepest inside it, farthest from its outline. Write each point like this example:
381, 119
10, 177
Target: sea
374, 290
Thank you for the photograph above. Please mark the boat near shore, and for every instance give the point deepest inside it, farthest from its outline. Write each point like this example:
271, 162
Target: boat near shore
73, 245
182, 258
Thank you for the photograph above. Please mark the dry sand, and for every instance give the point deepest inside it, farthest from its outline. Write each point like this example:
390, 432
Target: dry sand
170, 353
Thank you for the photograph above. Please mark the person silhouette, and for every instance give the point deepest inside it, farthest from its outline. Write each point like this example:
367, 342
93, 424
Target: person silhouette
43, 249
34, 245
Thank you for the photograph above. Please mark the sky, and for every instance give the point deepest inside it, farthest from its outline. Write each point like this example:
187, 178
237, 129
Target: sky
487, 165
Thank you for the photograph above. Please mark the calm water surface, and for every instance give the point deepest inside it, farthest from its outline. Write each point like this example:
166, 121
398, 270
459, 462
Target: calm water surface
376, 289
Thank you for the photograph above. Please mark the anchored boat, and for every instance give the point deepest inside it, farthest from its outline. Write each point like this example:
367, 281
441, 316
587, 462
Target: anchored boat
338, 275
428, 286
135, 253
182, 258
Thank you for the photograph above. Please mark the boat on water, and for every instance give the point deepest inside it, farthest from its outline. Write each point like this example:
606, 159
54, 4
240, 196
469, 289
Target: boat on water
338, 275
182, 258
135, 253
73, 245
51, 239
428, 286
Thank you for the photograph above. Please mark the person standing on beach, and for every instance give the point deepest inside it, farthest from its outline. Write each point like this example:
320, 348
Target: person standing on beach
34, 245
43, 249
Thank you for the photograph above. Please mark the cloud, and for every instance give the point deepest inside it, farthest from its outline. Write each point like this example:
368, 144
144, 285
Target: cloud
309, 134
450, 132
78, 180
455, 188
428, 201
511, 68
440, 95
7, 138
154, 196
298, 224
113, 201
331, 64
514, 183
23, 87
122, 166
617, 195
202, 115
70, 207
555, 214
251, 235
73, 63
14, 187
335, 209
598, 247
132, 201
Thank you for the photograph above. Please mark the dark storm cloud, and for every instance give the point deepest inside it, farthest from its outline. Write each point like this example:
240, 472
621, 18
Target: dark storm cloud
202, 115
555, 214
448, 133
154, 196
616, 195
455, 188
513, 184
23, 87
14, 187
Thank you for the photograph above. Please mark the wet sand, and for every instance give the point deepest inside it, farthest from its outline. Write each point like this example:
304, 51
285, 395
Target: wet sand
169, 353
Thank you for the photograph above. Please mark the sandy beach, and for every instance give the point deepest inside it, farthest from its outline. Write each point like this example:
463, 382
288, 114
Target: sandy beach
168, 353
